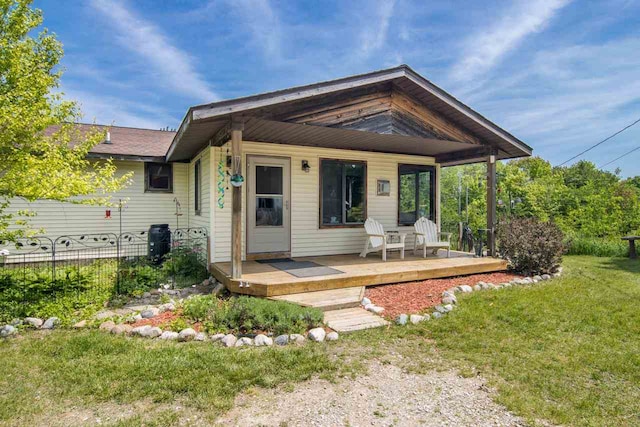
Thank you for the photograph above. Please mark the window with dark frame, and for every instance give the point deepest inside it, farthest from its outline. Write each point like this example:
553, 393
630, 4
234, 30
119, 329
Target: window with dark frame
343, 192
196, 187
416, 193
158, 177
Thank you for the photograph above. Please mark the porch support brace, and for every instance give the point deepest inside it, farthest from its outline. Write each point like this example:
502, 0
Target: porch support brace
236, 206
491, 203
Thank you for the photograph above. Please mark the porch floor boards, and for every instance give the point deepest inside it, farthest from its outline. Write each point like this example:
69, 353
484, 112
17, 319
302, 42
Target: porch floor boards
263, 280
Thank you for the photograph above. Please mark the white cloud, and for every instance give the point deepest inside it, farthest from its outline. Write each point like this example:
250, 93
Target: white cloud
104, 109
374, 33
174, 66
262, 21
483, 49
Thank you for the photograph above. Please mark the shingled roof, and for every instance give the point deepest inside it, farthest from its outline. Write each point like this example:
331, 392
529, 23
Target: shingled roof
129, 143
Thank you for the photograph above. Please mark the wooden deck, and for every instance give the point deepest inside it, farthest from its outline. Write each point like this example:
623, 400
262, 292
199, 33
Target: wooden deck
264, 280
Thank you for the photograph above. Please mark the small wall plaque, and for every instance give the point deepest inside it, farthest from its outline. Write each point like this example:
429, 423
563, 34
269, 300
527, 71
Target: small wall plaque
384, 187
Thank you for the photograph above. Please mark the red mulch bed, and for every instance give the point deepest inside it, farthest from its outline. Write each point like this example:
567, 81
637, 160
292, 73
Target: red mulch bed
415, 297
164, 319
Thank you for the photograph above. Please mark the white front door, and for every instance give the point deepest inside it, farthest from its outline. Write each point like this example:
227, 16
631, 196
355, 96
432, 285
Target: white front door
268, 213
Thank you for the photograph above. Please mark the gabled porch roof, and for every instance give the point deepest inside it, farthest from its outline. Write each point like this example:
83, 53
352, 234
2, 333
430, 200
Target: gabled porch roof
379, 111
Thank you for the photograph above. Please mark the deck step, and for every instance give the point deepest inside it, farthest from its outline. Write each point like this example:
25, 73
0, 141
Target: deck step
334, 299
352, 319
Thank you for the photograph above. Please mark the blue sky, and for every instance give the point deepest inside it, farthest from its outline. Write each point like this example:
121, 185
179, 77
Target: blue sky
559, 74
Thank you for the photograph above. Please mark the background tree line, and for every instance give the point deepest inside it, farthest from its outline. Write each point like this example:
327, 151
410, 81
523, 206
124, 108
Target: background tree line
594, 208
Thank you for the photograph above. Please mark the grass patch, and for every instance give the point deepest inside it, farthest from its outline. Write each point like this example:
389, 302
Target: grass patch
87, 369
566, 351
601, 247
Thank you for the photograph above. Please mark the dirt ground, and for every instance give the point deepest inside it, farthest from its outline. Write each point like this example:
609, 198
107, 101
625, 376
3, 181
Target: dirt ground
386, 396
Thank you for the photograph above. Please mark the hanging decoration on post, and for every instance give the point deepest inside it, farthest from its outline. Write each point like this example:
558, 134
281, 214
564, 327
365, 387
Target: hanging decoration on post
222, 175
237, 179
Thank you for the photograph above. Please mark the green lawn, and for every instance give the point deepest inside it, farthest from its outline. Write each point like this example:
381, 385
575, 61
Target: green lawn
565, 351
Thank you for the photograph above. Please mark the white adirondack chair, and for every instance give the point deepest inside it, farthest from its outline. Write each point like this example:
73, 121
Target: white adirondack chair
428, 237
378, 240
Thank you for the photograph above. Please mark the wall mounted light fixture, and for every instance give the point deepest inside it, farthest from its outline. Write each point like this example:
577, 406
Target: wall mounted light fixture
305, 166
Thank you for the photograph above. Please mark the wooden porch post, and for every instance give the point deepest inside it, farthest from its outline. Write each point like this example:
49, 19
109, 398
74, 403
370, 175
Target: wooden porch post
491, 203
236, 207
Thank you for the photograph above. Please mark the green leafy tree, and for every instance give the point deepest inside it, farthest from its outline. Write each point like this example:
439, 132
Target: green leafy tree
42, 155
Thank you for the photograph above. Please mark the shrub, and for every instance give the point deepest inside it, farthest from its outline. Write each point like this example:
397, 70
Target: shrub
247, 314
135, 278
530, 245
76, 291
186, 265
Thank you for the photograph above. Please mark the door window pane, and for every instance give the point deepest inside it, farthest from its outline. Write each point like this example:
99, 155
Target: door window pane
331, 192
268, 211
407, 198
268, 180
354, 186
416, 193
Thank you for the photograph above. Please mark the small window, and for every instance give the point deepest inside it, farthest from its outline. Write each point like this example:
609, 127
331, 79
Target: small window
158, 177
343, 192
197, 187
416, 193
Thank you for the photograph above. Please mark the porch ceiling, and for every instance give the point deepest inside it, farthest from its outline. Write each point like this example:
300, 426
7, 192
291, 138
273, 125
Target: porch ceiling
261, 130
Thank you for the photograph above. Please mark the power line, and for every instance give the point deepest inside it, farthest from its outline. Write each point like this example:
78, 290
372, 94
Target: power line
618, 158
601, 142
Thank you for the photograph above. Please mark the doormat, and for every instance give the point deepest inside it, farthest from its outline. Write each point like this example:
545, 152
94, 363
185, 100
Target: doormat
300, 268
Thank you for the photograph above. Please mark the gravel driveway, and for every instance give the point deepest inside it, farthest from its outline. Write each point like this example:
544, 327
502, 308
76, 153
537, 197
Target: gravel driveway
387, 396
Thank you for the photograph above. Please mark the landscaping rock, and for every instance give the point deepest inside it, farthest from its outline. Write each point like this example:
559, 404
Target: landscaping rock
374, 308
297, 338
186, 334
416, 318
166, 307
436, 315
448, 307
149, 313
244, 341
365, 301
153, 332
505, 285
282, 340
446, 294
229, 340
262, 340
449, 300
426, 317
33, 321
104, 315
453, 290
217, 289
402, 319
147, 331
317, 334
7, 331
537, 278
477, 287
545, 277
332, 336
465, 288
107, 326
556, 275
51, 323
217, 337
122, 329
81, 324
16, 322
440, 309
200, 336
169, 336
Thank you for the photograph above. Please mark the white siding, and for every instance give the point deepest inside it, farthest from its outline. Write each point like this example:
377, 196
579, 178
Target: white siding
141, 209
306, 236
203, 219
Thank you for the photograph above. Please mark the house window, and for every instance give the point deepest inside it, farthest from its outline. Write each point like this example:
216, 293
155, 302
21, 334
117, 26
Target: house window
343, 192
158, 177
197, 196
416, 193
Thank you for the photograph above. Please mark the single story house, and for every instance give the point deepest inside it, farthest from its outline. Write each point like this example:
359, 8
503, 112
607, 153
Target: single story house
295, 173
